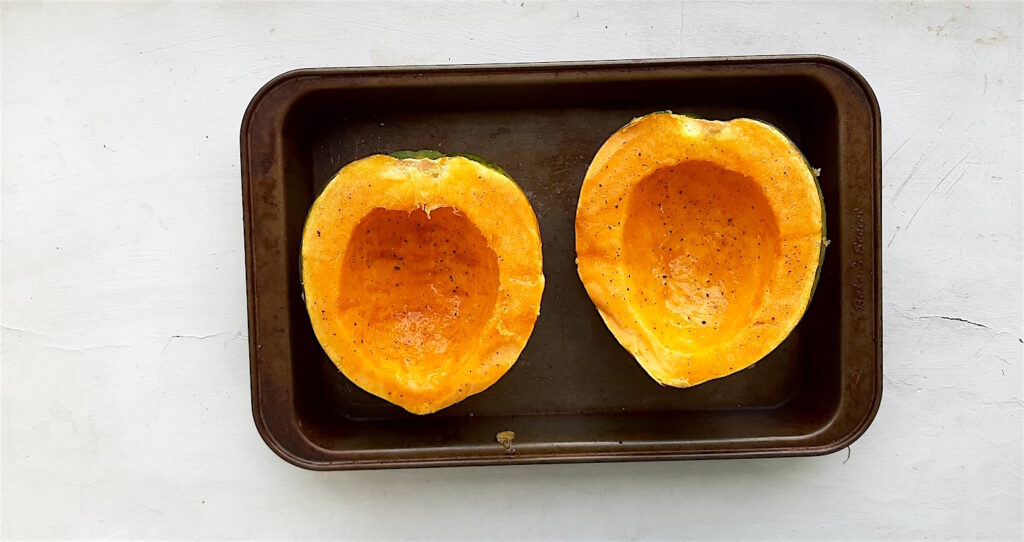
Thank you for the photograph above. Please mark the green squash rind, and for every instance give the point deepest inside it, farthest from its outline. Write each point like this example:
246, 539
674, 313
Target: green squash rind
434, 155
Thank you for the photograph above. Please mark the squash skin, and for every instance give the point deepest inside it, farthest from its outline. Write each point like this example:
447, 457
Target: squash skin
417, 375
684, 352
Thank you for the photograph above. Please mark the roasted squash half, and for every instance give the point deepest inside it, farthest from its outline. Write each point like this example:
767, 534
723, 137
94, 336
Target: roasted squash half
422, 275
700, 242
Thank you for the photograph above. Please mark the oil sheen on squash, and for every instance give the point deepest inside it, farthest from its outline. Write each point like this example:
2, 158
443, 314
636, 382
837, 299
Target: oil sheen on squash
416, 289
699, 242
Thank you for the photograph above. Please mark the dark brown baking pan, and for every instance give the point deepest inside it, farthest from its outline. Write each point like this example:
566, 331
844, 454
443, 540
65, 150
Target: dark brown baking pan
575, 394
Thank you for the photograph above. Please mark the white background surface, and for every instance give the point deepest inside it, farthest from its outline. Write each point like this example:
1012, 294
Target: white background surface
125, 398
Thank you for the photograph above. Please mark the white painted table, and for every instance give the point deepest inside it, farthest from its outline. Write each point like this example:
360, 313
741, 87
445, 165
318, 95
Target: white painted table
125, 369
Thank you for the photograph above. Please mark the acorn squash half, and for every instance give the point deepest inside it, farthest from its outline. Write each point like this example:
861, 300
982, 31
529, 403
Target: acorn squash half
422, 276
700, 242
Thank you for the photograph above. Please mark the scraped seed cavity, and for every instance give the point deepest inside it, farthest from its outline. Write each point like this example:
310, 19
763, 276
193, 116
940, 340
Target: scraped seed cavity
700, 246
417, 288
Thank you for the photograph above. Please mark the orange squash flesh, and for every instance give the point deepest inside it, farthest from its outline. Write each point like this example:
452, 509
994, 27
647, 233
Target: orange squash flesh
418, 291
699, 242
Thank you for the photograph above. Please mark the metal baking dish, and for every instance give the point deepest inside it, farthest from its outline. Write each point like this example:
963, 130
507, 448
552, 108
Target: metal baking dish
575, 394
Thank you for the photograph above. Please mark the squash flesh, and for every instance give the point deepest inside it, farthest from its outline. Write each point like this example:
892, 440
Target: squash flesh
418, 291
745, 179
697, 253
